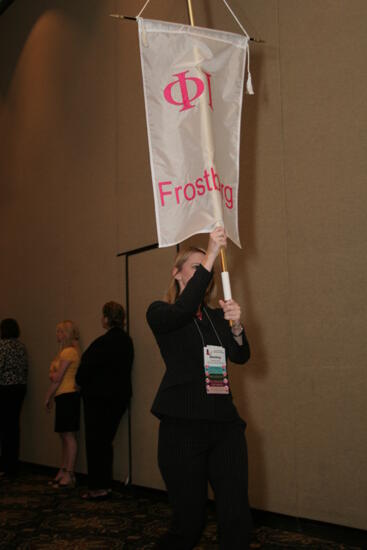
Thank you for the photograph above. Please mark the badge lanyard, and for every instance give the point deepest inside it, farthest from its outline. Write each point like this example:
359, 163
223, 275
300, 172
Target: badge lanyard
215, 368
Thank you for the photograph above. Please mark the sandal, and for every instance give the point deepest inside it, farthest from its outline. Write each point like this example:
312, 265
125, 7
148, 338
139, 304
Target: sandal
69, 484
56, 479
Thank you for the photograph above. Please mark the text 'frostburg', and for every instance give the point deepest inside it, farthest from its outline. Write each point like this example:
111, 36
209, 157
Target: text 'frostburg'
209, 182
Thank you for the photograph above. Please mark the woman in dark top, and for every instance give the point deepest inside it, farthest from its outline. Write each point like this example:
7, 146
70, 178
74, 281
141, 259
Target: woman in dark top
104, 376
13, 383
201, 436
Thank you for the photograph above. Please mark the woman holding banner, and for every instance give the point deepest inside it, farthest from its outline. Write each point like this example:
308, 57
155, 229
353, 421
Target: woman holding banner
201, 435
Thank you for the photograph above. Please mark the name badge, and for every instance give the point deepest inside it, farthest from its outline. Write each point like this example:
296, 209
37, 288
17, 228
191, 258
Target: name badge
216, 379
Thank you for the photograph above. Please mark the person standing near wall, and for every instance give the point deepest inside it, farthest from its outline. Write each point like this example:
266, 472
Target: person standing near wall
13, 384
67, 400
201, 435
104, 377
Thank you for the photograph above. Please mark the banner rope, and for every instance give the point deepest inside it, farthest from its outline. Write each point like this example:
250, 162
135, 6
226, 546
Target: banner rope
236, 19
143, 8
249, 87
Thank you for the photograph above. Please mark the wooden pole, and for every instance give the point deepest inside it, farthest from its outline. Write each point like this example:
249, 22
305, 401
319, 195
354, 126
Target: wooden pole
191, 13
223, 255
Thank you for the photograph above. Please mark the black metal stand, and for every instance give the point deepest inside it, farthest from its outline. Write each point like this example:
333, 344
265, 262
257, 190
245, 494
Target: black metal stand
127, 255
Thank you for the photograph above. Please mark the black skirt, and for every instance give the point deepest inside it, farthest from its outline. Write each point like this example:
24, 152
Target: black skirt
67, 414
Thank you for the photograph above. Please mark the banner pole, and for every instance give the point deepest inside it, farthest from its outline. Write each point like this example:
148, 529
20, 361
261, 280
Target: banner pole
191, 13
223, 256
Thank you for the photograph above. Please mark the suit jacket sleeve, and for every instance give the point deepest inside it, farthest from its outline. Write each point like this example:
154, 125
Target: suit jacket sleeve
163, 317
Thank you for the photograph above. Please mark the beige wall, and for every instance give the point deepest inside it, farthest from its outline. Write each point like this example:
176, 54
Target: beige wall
76, 190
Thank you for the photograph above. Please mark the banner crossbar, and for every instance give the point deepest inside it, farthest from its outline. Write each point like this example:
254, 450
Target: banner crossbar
135, 18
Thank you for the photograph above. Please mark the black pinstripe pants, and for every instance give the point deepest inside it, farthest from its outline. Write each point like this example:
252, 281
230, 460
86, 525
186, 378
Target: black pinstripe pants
192, 453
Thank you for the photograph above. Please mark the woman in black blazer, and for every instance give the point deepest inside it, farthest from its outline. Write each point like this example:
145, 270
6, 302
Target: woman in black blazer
201, 435
104, 376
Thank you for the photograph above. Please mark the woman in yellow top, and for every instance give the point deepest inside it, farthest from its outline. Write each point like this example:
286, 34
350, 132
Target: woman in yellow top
67, 399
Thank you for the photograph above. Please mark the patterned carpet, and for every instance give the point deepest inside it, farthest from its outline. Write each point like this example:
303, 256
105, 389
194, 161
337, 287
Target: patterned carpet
34, 516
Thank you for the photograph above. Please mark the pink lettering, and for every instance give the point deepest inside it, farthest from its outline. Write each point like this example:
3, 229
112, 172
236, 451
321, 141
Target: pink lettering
228, 193
208, 77
182, 82
191, 191
214, 178
176, 192
200, 187
161, 192
190, 185
206, 177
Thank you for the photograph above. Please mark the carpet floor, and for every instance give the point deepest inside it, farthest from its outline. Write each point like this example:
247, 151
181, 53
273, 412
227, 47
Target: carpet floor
35, 516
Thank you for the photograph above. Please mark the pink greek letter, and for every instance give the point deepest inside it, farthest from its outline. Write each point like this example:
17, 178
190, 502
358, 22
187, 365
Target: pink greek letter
182, 82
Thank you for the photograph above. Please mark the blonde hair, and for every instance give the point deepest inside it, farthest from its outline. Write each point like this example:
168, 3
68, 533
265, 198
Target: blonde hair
71, 333
173, 290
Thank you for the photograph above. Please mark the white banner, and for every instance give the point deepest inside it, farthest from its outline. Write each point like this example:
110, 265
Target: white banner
193, 86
